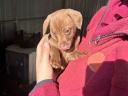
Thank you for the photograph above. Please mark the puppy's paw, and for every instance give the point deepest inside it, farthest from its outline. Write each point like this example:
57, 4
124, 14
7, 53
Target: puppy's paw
56, 63
56, 66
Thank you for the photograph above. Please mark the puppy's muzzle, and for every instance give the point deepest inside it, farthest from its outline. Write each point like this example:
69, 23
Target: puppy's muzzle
64, 46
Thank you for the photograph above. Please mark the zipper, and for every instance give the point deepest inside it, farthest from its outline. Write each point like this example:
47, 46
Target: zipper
112, 35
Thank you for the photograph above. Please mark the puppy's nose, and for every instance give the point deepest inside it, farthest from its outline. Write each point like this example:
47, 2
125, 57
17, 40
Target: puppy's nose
65, 46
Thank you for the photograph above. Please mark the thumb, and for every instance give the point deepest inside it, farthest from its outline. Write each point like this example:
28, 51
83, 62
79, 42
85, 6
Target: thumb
43, 50
46, 51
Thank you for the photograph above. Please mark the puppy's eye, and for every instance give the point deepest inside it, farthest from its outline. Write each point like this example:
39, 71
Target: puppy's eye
67, 31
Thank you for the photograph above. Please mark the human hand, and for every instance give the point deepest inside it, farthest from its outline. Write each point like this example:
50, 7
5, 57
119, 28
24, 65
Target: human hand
43, 68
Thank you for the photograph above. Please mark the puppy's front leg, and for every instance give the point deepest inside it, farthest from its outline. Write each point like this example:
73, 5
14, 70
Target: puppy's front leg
55, 58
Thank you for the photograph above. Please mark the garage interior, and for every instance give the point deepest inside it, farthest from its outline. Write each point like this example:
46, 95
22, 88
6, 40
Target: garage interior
20, 31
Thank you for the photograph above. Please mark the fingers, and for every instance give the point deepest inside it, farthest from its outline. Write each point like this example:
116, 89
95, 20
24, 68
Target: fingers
45, 53
43, 50
43, 68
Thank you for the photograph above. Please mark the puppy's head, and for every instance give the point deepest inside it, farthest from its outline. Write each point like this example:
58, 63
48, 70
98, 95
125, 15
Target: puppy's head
63, 25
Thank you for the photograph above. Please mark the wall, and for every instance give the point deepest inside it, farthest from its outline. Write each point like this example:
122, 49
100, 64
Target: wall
29, 14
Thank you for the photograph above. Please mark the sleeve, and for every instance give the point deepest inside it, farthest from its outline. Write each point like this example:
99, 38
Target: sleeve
119, 84
45, 88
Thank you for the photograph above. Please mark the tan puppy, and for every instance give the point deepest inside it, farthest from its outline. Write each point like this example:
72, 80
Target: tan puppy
61, 28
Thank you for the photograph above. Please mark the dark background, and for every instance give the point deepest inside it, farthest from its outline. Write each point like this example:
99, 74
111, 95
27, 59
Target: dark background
19, 17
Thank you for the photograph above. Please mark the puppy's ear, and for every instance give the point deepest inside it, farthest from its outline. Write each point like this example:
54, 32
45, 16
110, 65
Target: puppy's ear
46, 25
76, 17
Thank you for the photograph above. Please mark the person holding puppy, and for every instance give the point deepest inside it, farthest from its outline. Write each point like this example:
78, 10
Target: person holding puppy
103, 71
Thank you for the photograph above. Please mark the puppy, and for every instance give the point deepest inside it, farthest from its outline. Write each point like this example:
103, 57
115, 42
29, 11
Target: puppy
62, 28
